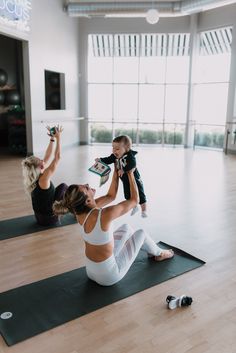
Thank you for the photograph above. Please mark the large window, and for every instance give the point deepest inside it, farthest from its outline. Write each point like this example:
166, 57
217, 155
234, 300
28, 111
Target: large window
135, 88
211, 87
139, 85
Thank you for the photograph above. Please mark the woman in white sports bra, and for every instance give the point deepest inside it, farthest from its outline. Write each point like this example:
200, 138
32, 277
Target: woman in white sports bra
109, 254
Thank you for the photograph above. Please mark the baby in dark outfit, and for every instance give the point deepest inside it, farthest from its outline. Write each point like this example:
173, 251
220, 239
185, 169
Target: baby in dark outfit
124, 158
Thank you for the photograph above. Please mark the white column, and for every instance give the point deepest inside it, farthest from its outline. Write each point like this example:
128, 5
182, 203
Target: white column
189, 131
83, 86
231, 106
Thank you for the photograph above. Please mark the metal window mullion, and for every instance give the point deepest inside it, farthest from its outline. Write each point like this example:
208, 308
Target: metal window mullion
137, 45
91, 44
126, 46
151, 45
175, 46
132, 44
100, 41
186, 47
154, 45
103, 45
178, 45
221, 40
106, 49
181, 44
164, 105
148, 43
225, 38
215, 42
159, 40
138, 94
184, 44
95, 45
118, 46
112, 91
219, 47
211, 43
228, 31
205, 43
122, 45
170, 45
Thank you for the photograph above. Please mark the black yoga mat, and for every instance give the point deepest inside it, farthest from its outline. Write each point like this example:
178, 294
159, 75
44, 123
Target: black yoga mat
14, 227
43, 305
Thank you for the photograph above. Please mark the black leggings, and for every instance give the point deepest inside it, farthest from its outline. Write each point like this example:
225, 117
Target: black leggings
51, 219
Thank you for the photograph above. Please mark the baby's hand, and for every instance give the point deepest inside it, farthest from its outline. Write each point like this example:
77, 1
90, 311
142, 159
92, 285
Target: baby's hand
58, 130
97, 159
131, 171
120, 172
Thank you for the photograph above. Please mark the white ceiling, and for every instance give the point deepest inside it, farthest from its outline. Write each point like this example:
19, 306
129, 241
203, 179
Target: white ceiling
97, 1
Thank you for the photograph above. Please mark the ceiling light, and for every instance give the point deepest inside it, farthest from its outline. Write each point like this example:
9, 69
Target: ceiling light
152, 16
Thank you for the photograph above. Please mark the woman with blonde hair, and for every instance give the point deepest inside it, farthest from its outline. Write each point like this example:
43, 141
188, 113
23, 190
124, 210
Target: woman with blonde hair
109, 254
37, 175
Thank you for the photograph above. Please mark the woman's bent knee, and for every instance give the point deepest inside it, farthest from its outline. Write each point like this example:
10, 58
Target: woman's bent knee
125, 228
140, 234
128, 228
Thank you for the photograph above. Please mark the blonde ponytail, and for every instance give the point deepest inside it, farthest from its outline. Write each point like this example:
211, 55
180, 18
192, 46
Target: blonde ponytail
74, 201
31, 172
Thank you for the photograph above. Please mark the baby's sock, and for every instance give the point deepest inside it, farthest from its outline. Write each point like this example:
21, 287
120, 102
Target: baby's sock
134, 210
144, 214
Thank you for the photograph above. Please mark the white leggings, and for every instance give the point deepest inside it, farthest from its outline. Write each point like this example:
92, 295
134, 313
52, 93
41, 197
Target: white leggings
127, 244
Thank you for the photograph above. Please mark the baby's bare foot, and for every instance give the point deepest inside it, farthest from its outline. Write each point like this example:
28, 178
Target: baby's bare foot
164, 255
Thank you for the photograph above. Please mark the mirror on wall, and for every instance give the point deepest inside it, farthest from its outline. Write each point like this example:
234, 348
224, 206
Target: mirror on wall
54, 90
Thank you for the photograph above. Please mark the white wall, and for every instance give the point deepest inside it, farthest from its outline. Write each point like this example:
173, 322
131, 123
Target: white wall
134, 25
220, 17
53, 45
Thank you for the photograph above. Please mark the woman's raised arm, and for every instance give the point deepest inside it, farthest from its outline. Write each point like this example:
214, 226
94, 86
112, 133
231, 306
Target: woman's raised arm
49, 149
118, 210
112, 192
44, 181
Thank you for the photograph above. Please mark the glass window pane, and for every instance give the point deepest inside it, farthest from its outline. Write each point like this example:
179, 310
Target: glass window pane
150, 133
176, 103
212, 68
100, 133
125, 102
174, 134
152, 69
177, 69
210, 103
99, 70
151, 102
209, 136
126, 129
126, 69
100, 102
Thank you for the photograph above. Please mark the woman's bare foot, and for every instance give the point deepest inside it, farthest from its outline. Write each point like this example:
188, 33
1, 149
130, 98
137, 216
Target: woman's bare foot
165, 254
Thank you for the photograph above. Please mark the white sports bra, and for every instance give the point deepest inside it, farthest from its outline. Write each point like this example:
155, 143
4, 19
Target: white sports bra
97, 236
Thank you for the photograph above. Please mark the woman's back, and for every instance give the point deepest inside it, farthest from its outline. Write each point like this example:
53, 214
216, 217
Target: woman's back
99, 242
42, 199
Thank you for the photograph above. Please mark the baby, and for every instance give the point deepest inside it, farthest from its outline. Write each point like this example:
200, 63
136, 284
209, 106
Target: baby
124, 157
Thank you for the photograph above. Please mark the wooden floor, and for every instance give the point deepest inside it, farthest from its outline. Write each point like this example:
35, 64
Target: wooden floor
192, 205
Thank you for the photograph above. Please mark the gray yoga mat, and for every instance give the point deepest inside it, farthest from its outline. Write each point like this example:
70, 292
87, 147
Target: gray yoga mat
14, 227
43, 305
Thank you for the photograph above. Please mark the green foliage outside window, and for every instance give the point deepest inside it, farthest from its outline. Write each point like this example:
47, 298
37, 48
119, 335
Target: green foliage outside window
102, 134
206, 139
